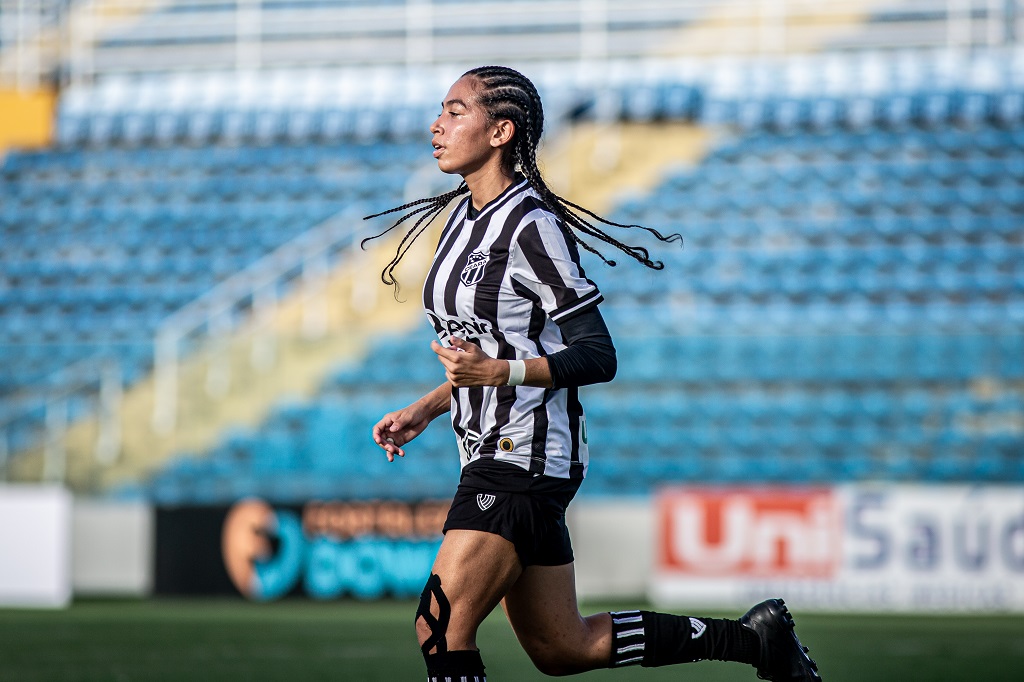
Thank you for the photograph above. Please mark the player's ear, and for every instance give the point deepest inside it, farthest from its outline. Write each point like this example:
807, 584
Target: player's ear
502, 132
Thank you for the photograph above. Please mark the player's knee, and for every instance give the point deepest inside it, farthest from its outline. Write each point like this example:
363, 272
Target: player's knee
432, 617
423, 631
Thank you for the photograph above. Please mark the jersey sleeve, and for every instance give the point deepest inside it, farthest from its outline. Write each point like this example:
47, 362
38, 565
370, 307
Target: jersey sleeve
548, 265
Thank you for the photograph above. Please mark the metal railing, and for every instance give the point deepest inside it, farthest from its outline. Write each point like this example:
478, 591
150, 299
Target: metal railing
74, 42
252, 295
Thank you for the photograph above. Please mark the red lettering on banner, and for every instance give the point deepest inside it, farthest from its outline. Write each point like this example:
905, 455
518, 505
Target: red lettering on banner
762, 532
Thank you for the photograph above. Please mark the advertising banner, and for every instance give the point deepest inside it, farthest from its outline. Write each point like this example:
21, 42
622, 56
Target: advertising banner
897, 548
323, 550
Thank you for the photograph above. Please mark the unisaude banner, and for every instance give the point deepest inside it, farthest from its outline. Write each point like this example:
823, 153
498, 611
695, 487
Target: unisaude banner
325, 550
871, 547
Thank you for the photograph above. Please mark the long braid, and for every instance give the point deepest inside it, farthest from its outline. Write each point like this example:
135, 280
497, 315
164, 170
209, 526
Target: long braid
429, 208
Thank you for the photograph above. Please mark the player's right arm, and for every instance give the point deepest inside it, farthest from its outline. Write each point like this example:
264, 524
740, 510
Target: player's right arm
397, 428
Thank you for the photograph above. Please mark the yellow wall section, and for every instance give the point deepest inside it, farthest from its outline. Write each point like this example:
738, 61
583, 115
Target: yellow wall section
26, 118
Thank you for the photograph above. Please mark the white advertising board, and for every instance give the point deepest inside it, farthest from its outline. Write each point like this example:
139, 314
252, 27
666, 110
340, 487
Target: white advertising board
35, 545
900, 548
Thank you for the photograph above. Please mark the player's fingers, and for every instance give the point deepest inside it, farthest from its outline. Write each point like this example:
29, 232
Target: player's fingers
464, 346
447, 362
378, 431
393, 449
384, 428
398, 421
382, 442
441, 351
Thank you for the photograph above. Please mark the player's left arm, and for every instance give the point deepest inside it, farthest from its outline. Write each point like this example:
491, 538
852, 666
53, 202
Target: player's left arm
397, 428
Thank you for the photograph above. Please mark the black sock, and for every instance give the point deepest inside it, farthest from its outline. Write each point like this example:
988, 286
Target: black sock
655, 639
454, 666
681, 639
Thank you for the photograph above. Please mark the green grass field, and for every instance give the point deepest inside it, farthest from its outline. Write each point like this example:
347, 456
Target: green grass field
301, 640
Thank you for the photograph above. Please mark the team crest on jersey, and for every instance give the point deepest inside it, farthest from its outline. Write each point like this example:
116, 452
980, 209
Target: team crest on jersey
484, 501
474, 270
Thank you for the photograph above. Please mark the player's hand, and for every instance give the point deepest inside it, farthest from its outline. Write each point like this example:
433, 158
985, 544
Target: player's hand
465, 364
395, 429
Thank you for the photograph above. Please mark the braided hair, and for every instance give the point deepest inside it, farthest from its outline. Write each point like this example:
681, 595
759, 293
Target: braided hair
506, 94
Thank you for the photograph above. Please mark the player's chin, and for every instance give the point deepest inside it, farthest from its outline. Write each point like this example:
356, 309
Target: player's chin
448, 168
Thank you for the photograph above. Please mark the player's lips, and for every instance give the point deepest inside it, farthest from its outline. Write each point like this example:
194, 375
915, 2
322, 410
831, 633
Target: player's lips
437, 150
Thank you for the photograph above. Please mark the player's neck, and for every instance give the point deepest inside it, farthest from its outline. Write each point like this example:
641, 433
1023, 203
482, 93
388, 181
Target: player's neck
486, 184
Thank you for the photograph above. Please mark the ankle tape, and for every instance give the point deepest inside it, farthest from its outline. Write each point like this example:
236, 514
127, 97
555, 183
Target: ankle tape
455, 666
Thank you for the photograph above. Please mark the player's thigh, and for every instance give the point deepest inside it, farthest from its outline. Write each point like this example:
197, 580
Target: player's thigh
475, 570
544, 613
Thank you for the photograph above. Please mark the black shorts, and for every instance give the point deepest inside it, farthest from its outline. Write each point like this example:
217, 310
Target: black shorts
532, 519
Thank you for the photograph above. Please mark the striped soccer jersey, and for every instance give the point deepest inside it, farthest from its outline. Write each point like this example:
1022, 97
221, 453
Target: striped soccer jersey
503, 280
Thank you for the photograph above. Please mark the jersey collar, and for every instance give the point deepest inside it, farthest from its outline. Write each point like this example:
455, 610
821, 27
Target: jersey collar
518, 183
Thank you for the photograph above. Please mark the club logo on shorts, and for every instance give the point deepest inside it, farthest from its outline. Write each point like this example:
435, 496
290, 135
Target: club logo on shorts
474, 270
484, 501
698, 628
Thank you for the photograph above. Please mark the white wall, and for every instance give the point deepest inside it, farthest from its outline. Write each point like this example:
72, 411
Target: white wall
35, 536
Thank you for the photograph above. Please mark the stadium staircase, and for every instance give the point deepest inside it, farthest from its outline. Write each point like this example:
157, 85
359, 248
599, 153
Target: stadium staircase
598, 164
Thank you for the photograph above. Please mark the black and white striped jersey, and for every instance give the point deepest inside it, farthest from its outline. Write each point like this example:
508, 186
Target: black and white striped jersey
503, 279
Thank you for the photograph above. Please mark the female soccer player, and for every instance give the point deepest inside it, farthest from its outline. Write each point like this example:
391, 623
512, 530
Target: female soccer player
519, 331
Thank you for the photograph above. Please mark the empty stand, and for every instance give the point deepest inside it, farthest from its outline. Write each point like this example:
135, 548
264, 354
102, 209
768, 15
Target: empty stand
848, 303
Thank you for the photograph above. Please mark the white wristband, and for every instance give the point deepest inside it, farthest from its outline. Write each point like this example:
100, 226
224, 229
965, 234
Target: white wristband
516, 372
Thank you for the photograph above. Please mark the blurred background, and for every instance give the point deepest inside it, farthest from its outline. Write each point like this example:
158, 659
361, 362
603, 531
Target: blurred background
823, 391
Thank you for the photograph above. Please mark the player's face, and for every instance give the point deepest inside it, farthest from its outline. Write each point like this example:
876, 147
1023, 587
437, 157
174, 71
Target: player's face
462, 134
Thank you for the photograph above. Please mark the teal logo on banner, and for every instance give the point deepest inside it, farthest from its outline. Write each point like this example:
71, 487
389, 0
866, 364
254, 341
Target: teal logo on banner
344, 552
